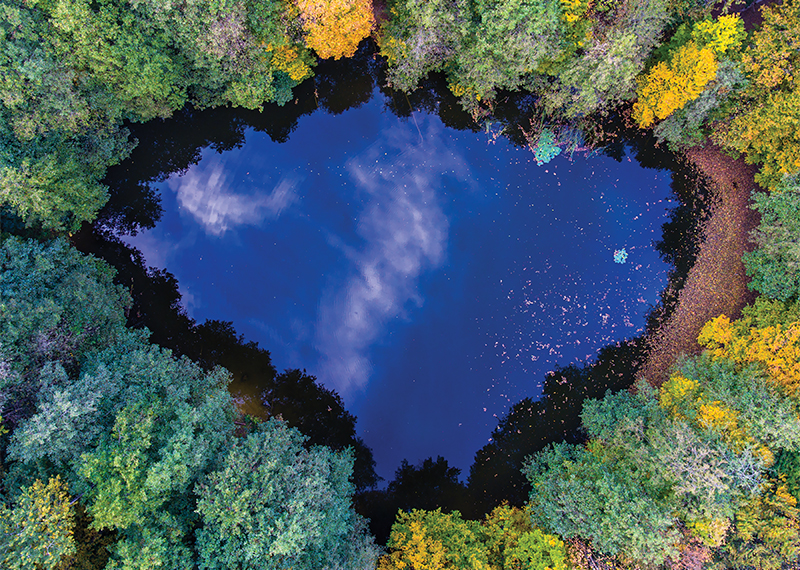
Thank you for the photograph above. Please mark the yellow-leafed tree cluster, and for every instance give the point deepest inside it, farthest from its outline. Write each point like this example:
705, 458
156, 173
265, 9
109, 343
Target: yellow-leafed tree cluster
775, 347
504, 540
287, 58
38, 530
334, 28
667, 87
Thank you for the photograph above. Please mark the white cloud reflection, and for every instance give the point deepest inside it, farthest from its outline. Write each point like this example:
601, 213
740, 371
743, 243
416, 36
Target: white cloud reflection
205, 192
405, 233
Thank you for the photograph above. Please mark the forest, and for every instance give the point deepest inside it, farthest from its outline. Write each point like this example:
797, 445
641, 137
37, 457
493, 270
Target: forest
121, 446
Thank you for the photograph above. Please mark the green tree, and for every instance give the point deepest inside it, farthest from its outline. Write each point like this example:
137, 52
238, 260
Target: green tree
774, 265
578, 494
602, 72
762, 418
55, 141
422, 37
274, 504
142, 438
766, 534
512, 543
140, 476
508, 41
496, 473
244, 53
56, 305
122, 54
54, 180
690, 457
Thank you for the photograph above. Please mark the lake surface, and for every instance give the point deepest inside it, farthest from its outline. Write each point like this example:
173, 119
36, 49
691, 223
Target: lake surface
431, 276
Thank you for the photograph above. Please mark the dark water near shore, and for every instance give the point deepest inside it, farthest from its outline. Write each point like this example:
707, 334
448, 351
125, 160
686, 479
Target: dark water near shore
431, 276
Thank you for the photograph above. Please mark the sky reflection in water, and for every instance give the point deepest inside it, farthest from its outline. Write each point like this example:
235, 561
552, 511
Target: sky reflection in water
429, 275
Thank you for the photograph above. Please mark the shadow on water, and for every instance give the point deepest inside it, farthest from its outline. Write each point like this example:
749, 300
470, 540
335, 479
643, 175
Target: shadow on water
173, 145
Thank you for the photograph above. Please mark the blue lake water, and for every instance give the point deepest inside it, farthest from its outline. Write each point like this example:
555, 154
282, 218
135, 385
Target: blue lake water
431, 276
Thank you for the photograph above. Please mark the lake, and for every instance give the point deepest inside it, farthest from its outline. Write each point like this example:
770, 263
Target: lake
431, 276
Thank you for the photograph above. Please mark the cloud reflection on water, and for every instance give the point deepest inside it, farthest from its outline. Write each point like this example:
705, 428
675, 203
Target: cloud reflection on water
405, 233
204, 191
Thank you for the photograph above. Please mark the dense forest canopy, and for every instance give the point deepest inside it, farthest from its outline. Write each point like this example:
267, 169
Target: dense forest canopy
121, 445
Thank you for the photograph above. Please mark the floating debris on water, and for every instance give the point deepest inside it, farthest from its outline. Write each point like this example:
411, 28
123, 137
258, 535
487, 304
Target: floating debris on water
620, 255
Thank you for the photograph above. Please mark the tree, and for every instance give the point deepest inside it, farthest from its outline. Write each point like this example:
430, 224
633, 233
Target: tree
667, 88
687, 127
56, 305
334, 28
37, 531
776, 348
55, 141
659, 464
496, 473
421, 37
432, 540
738, 404
136, 433
512, 543
670, 85
428, 485
122, 54
53, 180
273, 504
766, 534
582, 492
602, 71
508, 41
138, 477
763, 122
774, 265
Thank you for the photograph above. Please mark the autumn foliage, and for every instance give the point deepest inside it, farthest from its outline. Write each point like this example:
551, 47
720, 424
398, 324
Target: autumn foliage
504, 540
776, 347
334, 28
766, 122
670, 85
38, 531
287, 58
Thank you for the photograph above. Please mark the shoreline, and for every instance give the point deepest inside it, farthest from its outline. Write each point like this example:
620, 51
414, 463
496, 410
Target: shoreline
716, 283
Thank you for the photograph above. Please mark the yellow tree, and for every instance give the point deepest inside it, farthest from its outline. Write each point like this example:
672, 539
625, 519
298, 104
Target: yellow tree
37, 532
776, 347
766, 127
287, 58
433, 540
767, 529
668, 87
414, 548
684, 398
334, 28
720, 35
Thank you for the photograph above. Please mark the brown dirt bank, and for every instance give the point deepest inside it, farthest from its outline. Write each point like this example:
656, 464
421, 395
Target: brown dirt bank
717, 283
